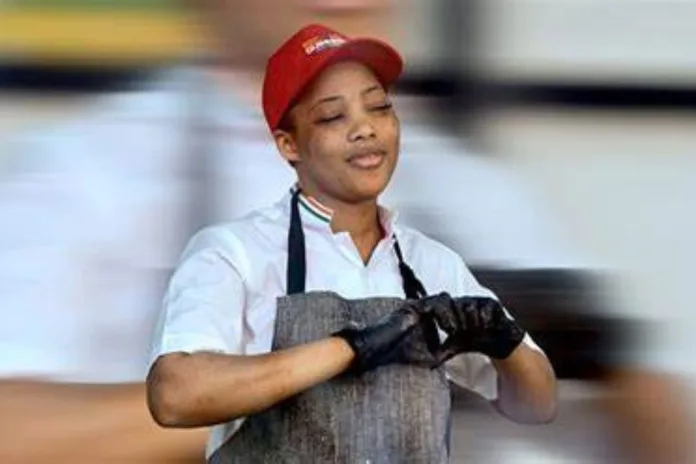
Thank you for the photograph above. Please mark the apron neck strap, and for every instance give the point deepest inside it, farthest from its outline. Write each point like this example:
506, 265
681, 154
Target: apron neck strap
413, 287
297, 264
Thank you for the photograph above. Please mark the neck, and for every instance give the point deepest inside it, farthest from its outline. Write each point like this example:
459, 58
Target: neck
361, 221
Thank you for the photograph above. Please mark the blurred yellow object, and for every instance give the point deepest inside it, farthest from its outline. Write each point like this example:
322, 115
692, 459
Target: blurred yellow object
111, 37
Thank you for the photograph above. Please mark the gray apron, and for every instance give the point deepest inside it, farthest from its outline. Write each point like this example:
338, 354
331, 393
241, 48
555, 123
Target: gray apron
394, 414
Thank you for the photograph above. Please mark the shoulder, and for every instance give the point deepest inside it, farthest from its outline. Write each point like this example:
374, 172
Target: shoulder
428, 256
244, 241
419, 246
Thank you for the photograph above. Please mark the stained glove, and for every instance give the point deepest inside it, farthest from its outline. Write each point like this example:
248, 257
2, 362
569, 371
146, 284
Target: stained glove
473, 324
405, 336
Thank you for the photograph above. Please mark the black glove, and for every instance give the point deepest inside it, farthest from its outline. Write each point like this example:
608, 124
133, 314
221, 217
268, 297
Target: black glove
473, 324
405, 336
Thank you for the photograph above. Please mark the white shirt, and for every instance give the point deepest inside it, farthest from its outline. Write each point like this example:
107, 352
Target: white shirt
92, 219
222, 297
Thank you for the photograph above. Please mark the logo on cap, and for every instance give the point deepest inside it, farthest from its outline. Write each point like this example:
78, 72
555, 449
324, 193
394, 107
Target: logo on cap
317, 44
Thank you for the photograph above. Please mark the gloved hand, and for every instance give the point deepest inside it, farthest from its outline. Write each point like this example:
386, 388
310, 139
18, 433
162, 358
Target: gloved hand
473, 324
405, 336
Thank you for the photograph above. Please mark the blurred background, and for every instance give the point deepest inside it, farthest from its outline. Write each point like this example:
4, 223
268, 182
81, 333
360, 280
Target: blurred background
590, 105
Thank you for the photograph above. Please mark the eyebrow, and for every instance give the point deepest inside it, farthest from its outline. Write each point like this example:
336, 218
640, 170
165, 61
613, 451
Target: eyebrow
325, 100
371, 89
338, 97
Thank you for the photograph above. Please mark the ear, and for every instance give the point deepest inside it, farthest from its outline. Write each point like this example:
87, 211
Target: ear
287, 146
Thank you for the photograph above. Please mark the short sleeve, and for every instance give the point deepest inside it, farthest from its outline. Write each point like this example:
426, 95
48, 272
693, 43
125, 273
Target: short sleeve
203, 306
475, 371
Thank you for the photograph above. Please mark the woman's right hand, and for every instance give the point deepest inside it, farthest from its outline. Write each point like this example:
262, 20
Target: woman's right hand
408, 335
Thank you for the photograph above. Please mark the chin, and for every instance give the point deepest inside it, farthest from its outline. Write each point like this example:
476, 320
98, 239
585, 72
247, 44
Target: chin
370, 188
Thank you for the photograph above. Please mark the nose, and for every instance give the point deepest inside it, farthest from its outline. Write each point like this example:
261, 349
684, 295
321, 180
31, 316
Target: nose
363, 129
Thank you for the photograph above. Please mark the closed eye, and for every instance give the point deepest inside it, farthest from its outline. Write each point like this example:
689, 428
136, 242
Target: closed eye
329, 120
381, 108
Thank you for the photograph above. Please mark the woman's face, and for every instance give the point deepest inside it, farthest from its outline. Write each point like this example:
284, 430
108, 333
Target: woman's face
345, 138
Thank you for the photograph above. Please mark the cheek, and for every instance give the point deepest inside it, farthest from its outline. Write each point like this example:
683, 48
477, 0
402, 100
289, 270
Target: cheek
392, 134
325, 149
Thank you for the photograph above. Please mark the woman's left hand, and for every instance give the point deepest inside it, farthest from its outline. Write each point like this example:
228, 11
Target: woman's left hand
473, 324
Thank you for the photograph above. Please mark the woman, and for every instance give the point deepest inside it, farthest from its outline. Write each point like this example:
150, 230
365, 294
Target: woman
300, 331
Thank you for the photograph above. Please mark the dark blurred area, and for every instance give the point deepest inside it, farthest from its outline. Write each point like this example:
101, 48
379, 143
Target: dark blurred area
563, 134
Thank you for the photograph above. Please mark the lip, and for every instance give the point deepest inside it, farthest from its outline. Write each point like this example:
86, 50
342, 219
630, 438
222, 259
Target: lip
367, 150
367, 159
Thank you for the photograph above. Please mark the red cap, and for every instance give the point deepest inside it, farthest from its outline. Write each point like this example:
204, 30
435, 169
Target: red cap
306, 54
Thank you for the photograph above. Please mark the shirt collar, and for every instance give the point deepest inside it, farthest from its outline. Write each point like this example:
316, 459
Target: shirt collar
318, 216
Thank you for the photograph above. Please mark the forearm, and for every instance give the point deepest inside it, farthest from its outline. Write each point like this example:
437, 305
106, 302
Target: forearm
526, 387
87, 423
206, 388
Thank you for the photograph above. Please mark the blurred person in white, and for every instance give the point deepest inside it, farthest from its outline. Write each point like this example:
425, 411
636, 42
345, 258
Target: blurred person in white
94, 214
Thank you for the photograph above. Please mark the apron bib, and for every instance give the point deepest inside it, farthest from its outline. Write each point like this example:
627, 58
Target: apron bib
393, 414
